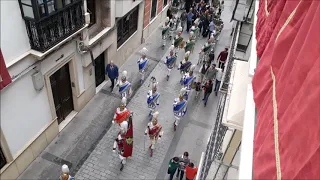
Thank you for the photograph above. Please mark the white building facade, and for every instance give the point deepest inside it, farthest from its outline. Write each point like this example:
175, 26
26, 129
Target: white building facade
49, 47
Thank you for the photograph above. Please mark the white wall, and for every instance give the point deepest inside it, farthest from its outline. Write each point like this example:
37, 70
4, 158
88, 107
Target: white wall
124, 6
24, 112
14, 38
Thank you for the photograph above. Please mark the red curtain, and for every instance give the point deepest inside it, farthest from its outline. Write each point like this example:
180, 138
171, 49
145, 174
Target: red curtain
5, 78
268, 16
286, 89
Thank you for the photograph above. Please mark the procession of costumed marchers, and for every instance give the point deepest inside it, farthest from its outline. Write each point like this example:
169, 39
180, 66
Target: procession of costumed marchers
180, 51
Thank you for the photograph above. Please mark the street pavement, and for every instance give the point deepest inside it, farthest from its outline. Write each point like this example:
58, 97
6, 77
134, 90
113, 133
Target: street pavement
85, 145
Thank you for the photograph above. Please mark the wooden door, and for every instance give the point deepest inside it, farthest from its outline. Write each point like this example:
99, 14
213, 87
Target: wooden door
99, 69
62, 92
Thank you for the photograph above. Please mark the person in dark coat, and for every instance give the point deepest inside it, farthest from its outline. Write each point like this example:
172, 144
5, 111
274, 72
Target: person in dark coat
113, 73
205, 24
169, 13
211, 56
188, 5
207, 91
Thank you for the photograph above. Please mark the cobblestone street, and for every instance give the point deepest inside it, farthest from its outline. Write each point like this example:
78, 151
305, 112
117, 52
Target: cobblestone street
85, 145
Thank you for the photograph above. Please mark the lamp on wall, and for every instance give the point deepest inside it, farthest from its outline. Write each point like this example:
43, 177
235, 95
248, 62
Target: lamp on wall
37, 78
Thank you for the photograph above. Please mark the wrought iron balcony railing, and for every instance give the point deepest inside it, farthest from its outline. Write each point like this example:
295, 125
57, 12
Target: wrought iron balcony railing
225, 84
49, 31
214, 145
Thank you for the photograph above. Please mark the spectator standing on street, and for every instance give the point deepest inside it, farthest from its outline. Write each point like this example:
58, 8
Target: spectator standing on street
169, 14
184, 161
205, 24
183, 18
113, 73
188, 4
211, 56
189, 19
211, 72
211, 28
191, 172
218, 80
222, 58
203, 70
207, 91
173, 166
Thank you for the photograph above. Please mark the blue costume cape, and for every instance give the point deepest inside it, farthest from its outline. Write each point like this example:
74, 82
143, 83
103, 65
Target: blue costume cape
143, 64
184, 67
180, 108
124, 87
187, 81
152, 99
170, 61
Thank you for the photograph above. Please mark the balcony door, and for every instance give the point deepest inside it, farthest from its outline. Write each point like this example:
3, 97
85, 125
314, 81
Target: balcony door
62, 92
99, 69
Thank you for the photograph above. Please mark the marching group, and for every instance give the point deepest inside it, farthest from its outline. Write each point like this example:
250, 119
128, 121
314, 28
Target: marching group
205, 21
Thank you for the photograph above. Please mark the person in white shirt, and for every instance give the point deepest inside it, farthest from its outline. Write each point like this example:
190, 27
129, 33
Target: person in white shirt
218, 80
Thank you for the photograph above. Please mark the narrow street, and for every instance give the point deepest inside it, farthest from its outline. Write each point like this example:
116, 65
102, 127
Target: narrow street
85, 144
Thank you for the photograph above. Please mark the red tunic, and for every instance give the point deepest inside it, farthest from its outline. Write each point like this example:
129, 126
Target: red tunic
155, 131
121, 116
125, 145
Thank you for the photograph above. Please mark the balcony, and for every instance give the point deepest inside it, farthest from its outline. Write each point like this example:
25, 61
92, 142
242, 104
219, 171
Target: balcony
50, 22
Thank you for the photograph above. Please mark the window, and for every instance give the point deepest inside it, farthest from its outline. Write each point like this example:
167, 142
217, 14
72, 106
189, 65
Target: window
165, 2
153, 9
127, 25
3, 160
91, 5
47, 7
37, 9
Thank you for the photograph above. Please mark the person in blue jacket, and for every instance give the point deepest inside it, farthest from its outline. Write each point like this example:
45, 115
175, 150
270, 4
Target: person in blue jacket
113, 73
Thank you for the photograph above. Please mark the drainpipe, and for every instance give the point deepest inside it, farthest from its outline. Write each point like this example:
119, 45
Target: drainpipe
142, 39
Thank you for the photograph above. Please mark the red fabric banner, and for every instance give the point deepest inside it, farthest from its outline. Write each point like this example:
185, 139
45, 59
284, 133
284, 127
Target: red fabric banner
5, 78
268, 16
286, 89
128, 145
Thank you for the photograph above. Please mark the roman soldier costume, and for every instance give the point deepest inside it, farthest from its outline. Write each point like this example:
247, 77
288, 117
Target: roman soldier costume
153, 99
154, 129
65, 173
124, 141
165, 30
142, 62
179, 107
184, 66
195, 30
170, 61
124, 86
190, 43
153, 81
205, 50
178, 39
188, 80
172, 26
122, 113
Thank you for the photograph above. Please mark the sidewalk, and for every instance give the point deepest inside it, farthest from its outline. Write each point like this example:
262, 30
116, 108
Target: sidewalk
86, 143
